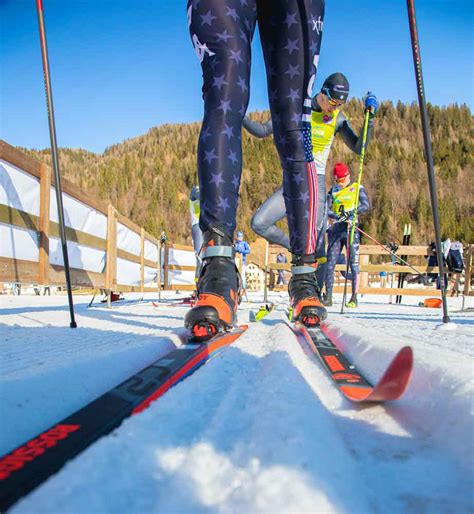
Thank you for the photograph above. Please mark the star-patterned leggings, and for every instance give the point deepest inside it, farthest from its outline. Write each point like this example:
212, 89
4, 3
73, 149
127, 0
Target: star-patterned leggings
337, 240
290, 31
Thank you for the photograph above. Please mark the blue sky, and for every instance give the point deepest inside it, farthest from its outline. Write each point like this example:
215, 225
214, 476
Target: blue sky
121, 67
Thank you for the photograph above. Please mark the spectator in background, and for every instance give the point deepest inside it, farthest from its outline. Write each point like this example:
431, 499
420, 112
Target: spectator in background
455, 264
433, 261
281, 258
243, 248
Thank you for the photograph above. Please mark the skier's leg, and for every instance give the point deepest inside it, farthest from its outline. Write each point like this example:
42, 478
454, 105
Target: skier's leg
221, 32
334, 250
321, 235
342, 260
291, 31
354, 266
197, 244
264, 219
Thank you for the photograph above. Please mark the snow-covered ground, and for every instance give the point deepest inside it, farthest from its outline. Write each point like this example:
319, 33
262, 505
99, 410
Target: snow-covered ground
260, 428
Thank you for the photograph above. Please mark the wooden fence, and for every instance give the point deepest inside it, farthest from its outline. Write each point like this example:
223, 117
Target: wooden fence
42, 271
370, 280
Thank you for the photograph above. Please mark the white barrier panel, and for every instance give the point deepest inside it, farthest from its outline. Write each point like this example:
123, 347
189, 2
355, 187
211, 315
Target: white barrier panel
150, 276
151, 251
178, 277
181, 257
128, 273
128, 240
80, 257
19, 243
79, 216
19, 189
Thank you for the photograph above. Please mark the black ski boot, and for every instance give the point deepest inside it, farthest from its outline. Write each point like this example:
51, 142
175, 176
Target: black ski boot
218, 288
305, 293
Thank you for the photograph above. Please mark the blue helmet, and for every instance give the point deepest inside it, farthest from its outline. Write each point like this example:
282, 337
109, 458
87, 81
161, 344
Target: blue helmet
240, 234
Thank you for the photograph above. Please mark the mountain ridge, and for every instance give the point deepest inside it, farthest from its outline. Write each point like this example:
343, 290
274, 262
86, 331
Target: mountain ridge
148, 177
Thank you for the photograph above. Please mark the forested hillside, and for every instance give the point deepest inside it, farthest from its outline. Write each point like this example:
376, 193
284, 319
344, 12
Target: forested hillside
148, 177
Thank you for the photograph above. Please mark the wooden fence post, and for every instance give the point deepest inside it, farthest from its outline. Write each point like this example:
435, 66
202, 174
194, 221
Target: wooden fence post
158, 269
142, 260
111, 266
45, 195
467, 274
265, 272
165, 265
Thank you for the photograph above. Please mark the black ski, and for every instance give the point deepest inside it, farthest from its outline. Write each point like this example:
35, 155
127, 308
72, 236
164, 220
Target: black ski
32, 463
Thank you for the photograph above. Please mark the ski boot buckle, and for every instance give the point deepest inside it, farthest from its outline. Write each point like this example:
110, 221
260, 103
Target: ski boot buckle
204, 330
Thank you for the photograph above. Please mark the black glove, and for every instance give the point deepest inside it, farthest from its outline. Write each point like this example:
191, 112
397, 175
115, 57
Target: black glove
346, 216
393, 247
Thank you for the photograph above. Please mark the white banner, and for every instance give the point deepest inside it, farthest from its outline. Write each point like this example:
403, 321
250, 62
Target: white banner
128, 240
19, 243
79, 216
80, 257
19, 189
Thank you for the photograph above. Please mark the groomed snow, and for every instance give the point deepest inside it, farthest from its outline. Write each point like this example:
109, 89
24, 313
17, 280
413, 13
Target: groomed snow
260, 428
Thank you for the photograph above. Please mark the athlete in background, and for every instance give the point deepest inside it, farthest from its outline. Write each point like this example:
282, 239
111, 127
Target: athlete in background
341, 209
290, 33
327, 120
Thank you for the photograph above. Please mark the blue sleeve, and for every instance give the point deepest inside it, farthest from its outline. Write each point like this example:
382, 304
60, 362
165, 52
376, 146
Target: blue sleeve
364, 204
258, 129
348, 135
246, 248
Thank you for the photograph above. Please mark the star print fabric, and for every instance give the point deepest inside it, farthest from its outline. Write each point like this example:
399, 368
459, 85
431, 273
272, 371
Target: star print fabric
290, 32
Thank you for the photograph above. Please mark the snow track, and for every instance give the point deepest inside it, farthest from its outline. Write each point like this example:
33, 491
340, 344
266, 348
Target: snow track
260, 428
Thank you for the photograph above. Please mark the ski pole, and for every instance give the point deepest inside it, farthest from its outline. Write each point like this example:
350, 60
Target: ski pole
359, 178
54, 156
348, 259
400, 259
428, 152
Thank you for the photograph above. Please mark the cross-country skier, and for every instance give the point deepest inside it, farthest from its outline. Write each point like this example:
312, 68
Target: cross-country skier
327, 120
194, 210
341, 209
221, 32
